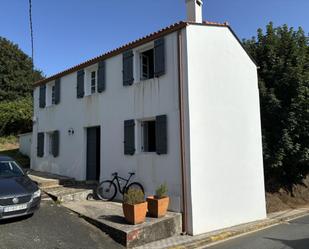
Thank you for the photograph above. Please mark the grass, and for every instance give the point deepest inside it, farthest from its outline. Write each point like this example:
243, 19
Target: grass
8, 143
9, 146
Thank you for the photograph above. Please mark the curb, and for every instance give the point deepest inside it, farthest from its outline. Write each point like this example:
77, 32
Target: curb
237, 232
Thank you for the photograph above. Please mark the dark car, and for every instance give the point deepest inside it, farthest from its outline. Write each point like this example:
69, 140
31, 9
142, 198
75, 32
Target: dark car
19, 195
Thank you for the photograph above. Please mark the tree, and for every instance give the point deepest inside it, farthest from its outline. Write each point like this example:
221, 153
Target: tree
16, 84
16, 76
16, 116
282, 55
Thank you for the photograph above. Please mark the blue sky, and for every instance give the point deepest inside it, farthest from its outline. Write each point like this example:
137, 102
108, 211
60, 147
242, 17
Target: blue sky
68, 32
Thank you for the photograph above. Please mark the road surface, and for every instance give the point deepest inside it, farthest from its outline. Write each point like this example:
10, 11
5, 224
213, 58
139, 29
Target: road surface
290, 235
52, 227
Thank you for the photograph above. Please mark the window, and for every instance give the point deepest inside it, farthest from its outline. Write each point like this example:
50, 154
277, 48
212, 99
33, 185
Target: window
53, 99
149, 136
93, 82
147, 64
50, 145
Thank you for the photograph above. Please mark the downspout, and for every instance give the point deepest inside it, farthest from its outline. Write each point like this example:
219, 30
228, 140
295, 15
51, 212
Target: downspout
182, 134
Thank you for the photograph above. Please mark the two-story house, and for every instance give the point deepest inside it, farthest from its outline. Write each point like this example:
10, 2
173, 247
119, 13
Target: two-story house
179, 106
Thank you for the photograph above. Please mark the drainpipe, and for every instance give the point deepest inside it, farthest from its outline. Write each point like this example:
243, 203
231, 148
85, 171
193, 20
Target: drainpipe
182, 134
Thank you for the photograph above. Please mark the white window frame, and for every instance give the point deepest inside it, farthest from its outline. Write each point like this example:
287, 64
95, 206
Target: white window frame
137, 62
53, 94
48, 141
93, 82
140, 135
49, 97
88, 80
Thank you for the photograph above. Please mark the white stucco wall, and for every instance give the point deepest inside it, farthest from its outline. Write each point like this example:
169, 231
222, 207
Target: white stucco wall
25, 143
226, 168
109, 110
223, 156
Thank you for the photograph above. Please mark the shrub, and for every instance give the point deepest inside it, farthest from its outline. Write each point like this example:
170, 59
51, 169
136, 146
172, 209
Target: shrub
134, 196
161, 191
16, 116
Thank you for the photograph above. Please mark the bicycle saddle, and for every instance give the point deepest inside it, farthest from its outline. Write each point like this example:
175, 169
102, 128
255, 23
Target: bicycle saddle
131, 173
114, 174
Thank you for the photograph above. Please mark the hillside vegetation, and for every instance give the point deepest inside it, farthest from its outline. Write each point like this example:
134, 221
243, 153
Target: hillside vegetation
16, 80
282, 54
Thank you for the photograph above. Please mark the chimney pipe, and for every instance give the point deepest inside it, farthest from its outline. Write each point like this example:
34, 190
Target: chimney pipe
194, 11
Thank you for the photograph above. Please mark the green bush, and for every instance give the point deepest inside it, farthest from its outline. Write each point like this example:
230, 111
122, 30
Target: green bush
16, 116
161, 191
282, 55
134, 196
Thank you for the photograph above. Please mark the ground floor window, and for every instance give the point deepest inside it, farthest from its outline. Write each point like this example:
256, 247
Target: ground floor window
50, 143
149, 136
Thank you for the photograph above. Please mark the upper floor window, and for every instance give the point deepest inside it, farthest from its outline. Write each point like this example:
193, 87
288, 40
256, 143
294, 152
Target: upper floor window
147, 64
49, 94
93, 82
53, 99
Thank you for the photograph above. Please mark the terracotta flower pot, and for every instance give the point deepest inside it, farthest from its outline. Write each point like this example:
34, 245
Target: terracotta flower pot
135, 214
157, 207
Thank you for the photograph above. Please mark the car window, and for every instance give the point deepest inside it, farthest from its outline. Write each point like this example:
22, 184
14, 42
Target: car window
10, 169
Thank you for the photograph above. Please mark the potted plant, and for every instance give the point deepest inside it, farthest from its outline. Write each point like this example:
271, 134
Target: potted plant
158, 204
134, 206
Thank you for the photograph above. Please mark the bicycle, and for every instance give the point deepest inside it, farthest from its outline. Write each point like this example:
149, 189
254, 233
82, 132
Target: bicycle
107, 190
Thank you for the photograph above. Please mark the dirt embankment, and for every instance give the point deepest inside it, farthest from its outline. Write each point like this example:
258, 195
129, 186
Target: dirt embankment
283, 199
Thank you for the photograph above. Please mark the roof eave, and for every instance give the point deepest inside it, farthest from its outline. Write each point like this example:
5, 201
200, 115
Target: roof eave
132, 45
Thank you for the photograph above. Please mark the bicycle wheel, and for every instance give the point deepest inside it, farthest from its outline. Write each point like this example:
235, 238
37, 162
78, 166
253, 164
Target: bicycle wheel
107, 190
135, 185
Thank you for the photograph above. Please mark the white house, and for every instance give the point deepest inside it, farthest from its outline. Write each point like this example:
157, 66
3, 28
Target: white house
180, 106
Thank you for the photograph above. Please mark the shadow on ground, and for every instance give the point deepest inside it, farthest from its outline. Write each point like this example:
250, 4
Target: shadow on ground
293, 244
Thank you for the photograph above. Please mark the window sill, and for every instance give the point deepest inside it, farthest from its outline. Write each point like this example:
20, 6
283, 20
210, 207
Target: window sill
147, 153
92, 94
50, 106
145, 81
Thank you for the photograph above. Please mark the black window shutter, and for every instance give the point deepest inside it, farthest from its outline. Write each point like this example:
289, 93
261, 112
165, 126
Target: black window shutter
127, 68
57, 91
40, 144
101, 76
159, 57
80, 84
55, 143
161, 134
129, 137
42, 96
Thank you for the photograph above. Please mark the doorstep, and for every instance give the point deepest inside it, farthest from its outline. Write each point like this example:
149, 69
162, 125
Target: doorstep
108, 216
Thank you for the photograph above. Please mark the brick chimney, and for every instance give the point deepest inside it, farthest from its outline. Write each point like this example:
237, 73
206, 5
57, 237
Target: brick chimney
194, 11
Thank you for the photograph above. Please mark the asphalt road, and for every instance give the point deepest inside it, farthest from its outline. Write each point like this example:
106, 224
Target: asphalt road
290, 235
52, 227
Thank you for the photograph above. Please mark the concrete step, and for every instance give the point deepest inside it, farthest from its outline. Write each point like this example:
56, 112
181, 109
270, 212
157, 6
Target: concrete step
108, 216
69, 193
48, 180
61, 188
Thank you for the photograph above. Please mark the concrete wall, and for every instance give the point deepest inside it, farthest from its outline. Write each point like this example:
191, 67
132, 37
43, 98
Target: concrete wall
226, 168
109, 109
25, 143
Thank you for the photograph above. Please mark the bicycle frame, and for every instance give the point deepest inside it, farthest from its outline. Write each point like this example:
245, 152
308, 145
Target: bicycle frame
116, 178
